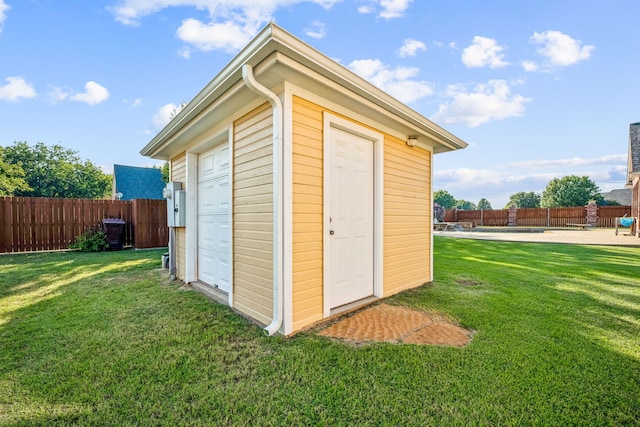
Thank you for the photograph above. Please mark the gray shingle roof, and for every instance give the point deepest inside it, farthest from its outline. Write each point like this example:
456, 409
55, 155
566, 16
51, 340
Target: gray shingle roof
622, 196
137, 183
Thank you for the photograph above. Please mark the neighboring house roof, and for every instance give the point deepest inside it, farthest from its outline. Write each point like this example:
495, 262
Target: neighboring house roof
633, 168
276, 57
622, 196
137, 182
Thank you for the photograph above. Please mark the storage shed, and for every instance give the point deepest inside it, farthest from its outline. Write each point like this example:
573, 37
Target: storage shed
308, 190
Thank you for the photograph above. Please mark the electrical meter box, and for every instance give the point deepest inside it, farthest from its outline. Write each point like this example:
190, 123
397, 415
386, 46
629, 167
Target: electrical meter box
176, 201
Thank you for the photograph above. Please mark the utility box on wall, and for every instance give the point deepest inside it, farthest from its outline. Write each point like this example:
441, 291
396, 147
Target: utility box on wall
176, 202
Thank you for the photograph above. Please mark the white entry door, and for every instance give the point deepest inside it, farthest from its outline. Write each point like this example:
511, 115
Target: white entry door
213, 218
351, 218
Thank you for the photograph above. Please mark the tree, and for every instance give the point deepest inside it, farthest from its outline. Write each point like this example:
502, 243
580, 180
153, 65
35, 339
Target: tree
444, 199
11, 177
570, 191
484, 204
465, 205
165, 172
57, 172
524, 200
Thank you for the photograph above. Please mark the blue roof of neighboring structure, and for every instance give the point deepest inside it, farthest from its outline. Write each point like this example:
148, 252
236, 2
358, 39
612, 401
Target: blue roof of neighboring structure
137, 183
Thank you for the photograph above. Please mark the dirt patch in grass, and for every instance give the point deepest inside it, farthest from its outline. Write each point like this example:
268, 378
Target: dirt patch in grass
465, 281
396, 324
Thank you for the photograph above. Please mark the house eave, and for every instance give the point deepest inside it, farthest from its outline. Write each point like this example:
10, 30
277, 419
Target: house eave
273, 39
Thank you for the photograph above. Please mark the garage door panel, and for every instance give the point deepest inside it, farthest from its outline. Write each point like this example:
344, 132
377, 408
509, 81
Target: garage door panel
214, 196
214, 232
214, 235
214, 268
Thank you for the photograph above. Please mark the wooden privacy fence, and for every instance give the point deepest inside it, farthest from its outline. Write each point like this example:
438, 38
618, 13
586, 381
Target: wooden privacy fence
42, 224
539, 217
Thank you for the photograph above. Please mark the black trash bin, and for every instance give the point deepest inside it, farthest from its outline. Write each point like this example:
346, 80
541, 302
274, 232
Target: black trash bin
114, 229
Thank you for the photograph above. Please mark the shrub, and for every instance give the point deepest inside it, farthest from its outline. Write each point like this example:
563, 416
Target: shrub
92, 240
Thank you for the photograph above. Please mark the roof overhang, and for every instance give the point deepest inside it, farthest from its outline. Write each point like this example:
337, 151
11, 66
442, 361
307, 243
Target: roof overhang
278, 57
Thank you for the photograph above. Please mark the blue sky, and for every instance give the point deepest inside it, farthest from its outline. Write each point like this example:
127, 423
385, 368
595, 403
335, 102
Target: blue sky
539, 89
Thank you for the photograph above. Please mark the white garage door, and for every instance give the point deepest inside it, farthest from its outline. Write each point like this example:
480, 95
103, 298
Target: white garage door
213, 218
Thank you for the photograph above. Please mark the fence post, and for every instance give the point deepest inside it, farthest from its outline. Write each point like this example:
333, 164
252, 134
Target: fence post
548, 217
592, 214
513, 216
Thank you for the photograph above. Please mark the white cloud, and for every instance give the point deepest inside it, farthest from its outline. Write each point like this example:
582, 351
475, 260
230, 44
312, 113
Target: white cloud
529, 66
93, 94
230, 36
616, 176
231, 23
484, 52
393, 8
486, 102
465, 176
57, 94
397, 82
129, 12
166, 113
560, 49
411, 47
133, 104
497, 184
185, 52
16, 88
389, 9
4, 7
316, 30
615, 159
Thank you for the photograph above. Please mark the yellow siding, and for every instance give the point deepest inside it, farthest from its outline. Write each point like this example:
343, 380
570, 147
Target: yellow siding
179, 174
407, 224
307, 213
253, 214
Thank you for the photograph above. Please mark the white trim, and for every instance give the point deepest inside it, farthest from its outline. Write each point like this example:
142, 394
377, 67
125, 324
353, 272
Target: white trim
287, 209
431, 217
331, 120
191, 225
231, 141
223, 135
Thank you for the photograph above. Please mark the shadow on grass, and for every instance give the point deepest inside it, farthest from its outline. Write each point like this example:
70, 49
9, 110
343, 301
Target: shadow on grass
125, 347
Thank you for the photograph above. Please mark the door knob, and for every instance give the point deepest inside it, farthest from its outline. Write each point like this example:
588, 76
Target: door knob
331, 232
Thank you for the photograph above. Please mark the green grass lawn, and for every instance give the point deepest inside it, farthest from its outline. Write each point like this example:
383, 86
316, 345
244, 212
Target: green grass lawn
105, 339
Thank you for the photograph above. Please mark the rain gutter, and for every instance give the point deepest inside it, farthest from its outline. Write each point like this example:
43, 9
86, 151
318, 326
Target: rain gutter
253, 85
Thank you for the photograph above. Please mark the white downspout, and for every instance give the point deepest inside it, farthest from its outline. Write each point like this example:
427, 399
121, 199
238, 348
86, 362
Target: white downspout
250, 81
